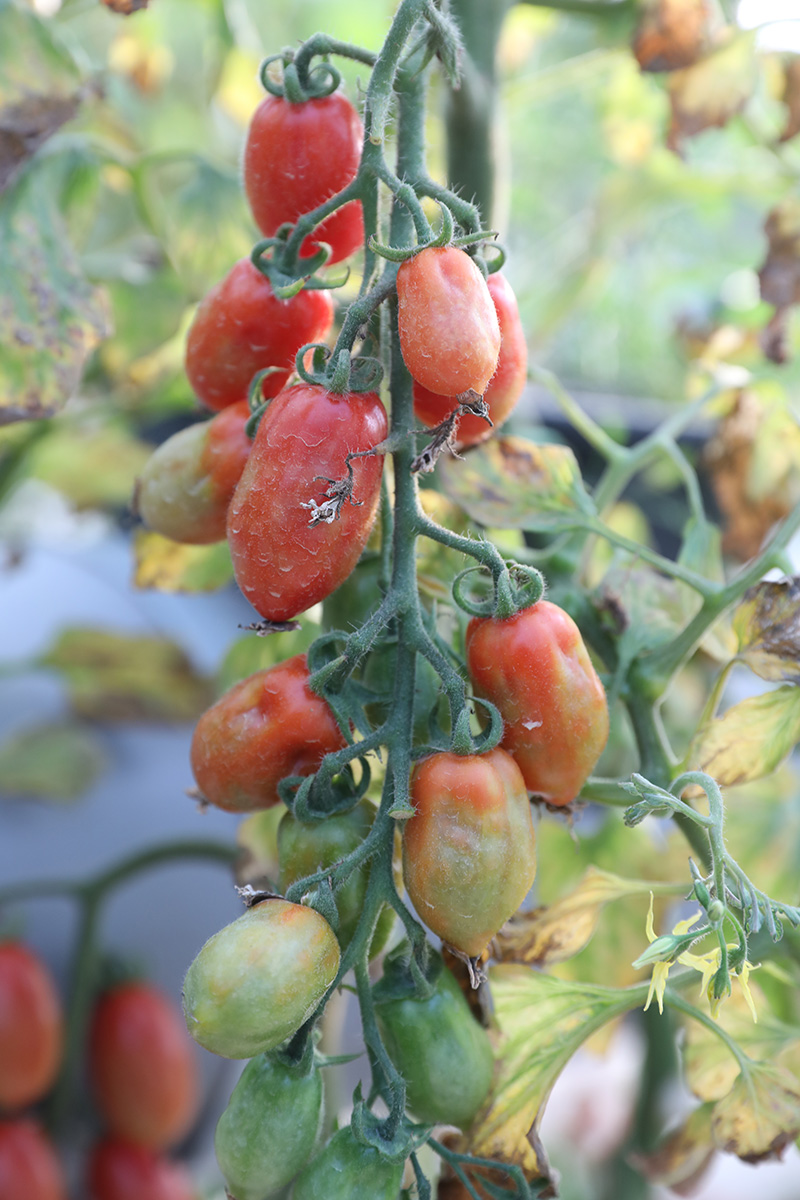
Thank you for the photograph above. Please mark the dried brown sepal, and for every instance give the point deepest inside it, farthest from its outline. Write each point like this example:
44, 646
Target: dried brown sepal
673, 33
264, 627
444, 438
478, 999
339, 491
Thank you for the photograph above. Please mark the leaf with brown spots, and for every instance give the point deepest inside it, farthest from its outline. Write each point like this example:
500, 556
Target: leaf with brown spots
780, 275
712, 91
767, 626
683, 1157
760, 1116
512, 483
673, 33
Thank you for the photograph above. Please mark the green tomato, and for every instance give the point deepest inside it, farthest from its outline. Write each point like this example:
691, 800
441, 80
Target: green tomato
304, 848
255, 982
345, 1170
438, 1047
267, 1132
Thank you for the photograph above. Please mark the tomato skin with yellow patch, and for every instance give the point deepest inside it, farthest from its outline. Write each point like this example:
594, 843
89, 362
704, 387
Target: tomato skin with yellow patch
535, 668
504, 388
469, 852
265, 728
255, 982
284, 564
449, 332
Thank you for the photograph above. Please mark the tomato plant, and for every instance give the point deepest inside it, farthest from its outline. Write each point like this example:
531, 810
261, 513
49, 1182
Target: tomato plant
535, 667
265, 728
255, 982
242, 327
449, 332
347, 1168
142, 1066
469, 851
268, 1130
119, 1170
287, 560
504, 388
297, 156
30, 1027
441, 1051
186, 486
29, 1166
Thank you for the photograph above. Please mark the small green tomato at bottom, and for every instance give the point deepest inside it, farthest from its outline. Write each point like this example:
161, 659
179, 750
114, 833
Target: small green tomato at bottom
255, 982
267, 1132
348, 1170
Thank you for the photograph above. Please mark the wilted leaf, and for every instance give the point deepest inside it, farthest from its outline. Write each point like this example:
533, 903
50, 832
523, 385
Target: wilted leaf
767, 626
707, 94
750, 740
511, 483
791, 98
548, 935
51, 317
682, 1158
119, 677
780, 275
171, 566
40, 87
50, 762
673, 33
543, 1021
760, 1115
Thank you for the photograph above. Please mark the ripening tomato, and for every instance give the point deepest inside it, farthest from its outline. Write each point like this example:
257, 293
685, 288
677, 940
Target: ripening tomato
255, 982
29, 1167
241, 327
142, 1066
31, 1033
186, 485
296, 157
345, 1169
119, 1170
469, 851
265, 728
536, 669
282, 563
505, 386
449, 332
267, 1132
443, 1054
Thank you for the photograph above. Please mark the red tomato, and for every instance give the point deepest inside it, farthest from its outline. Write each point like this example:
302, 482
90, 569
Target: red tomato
263, 729
186, 486
29, 1168
469, 852
535, 668
119, 1170
296, 157
31, 1032
505, 386
449, 332
281, 562
241, 327
142, 1066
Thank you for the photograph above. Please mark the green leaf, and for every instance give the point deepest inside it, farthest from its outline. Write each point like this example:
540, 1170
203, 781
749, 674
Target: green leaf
750, 740
511, 483
50, 762
767, 627
250, 654
51, 317
169, 566
117, 677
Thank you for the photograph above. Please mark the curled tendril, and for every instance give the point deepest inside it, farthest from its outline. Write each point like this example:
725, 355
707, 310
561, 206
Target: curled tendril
498, 261
515, 588
273, 86
322, 80
321, 354
474, 608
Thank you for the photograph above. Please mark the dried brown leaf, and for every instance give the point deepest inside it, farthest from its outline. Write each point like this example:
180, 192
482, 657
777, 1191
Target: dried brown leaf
673, 33
709, 93
760, 1116
767, 626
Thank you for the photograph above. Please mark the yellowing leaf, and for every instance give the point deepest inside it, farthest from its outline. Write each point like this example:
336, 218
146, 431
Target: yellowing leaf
549, 935
707, 94
543, 1021
257, 836
682, 1158
512, 483
92, 467
116, 677
767, 626
750, 740
50, 762
672, 33
169, 566
760, 1115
